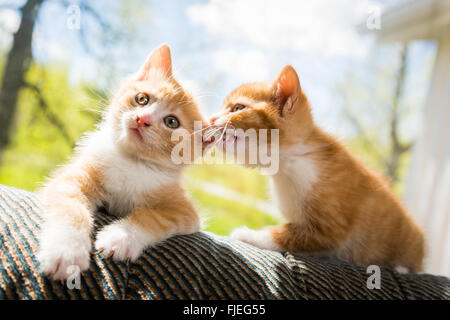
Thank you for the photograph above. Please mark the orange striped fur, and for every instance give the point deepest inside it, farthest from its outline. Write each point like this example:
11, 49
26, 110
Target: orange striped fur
333, 204
125, 165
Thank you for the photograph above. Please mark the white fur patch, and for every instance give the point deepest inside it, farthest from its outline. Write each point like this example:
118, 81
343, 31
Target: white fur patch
294, 180
125, 180
122, 241
61, 249
261, 238
401, 269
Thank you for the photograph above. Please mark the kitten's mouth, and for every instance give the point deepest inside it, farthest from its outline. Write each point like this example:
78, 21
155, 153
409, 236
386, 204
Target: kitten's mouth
229, 138
135, 132
221, 138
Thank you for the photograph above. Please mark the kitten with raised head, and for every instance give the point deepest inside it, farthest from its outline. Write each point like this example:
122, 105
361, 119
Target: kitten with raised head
125, 165
333, 204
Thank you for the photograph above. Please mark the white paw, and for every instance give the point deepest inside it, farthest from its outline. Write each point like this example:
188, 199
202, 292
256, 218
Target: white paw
261, 238
63, 251
401, 269
121, 242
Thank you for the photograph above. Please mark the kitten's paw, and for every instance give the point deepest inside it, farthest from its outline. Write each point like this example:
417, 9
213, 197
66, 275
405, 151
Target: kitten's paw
120, 241
63, 251
261, 238
401, 270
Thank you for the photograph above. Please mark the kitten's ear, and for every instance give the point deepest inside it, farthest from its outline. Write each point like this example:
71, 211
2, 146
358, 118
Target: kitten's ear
159, 59
287, 90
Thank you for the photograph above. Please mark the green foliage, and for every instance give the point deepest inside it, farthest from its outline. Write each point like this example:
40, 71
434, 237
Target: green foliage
37, 145
246, 181
223, 215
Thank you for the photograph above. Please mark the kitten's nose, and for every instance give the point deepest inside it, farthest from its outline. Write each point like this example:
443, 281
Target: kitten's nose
143, 121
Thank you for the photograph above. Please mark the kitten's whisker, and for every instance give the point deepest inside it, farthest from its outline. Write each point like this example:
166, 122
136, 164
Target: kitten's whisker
205, 128
224, 131
211, 133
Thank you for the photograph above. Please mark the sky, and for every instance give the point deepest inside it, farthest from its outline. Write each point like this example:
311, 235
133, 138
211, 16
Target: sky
219, 44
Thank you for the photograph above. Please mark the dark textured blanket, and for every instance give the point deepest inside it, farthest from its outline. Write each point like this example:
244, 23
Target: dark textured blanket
198, 266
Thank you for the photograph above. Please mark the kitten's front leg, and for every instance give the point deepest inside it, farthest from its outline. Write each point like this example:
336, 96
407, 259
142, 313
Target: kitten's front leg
124, 240
259, 238
292, 237
65, 243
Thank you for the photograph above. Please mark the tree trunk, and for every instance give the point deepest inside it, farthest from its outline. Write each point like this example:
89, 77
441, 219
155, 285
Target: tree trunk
397, 148
17, 65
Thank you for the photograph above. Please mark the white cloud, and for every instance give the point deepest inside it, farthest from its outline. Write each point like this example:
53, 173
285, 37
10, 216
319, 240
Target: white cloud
53, 50
325, 27
9, 23
10, 20
249, 64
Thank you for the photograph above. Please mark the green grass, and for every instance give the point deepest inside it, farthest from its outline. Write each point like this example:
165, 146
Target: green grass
238, 178
223, 215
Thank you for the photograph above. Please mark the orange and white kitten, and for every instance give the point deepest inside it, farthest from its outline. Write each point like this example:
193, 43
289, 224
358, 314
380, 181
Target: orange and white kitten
333, 204
125, 165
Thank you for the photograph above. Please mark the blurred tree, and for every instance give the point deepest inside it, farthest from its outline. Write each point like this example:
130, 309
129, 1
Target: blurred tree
37, 145
397, 147
17, 64
19, 60
378, 123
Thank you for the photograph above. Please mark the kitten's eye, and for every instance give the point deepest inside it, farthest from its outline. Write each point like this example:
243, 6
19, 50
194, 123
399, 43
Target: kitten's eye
238, 107
142, 98
171, 122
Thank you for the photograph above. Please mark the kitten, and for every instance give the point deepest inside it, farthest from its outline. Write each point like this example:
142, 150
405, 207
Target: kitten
333, 204
125, 165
